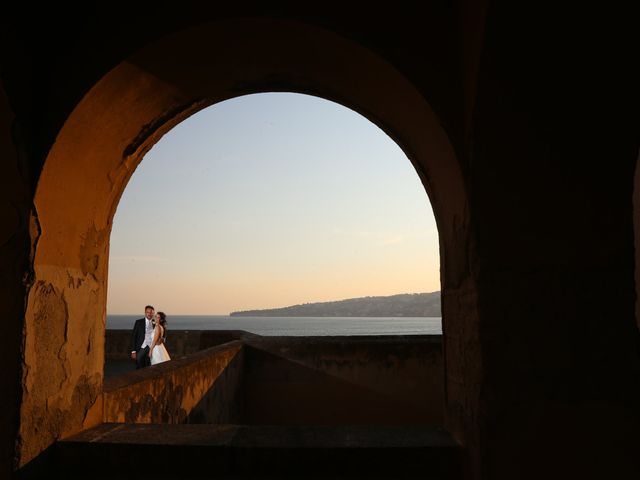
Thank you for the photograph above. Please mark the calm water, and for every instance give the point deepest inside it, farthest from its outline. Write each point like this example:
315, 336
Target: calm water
299, 326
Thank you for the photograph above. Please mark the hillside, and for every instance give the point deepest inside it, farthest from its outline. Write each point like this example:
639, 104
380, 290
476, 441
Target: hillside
403, 305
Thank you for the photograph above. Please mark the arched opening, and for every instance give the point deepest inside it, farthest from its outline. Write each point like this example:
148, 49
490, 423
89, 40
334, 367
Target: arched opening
122, 117
274, 200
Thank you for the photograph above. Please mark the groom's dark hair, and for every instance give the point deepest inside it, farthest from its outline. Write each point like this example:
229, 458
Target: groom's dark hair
149, 306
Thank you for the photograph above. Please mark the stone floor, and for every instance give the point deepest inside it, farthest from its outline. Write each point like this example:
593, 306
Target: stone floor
241, 451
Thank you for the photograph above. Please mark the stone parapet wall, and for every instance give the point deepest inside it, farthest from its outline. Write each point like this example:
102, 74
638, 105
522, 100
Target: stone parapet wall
200, 388
348, 380
383, 380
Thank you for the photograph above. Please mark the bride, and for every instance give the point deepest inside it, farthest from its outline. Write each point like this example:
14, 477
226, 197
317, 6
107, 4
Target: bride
158, 352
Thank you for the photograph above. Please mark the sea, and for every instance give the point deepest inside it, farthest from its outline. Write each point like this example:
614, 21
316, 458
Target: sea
294, 326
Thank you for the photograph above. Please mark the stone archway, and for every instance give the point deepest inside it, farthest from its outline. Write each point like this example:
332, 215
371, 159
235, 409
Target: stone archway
121, 118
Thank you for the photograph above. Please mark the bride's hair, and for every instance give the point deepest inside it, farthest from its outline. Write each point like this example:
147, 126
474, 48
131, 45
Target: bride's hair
163, 320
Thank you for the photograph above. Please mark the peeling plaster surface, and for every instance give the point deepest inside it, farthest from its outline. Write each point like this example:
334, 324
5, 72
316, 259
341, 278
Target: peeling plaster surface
62, 367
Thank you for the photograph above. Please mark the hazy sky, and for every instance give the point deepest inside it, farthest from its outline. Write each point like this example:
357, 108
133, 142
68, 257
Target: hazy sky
270, 200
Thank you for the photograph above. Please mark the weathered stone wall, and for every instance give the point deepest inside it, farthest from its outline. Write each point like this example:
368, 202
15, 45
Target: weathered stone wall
202, 388
390, 380
533, 209
103, 139
62, 375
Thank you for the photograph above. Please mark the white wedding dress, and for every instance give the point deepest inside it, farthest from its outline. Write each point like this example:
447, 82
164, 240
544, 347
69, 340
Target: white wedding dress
159, 353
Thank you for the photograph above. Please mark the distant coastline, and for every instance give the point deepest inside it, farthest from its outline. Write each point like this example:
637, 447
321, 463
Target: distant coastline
402, 305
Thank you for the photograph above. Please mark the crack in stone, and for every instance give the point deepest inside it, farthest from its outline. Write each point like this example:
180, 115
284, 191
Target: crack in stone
179, 113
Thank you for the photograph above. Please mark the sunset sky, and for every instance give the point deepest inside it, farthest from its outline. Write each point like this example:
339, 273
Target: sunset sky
266, 201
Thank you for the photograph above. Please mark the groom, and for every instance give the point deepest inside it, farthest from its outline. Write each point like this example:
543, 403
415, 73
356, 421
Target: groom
142, 337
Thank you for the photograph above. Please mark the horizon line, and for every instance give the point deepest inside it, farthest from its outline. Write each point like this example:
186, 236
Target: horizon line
294, 305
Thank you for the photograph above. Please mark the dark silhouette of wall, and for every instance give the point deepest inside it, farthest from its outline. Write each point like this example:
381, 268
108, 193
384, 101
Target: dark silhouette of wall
338, 381
343, 381
522, 124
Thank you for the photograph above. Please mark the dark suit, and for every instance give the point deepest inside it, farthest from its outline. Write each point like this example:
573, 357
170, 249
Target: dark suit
137, 339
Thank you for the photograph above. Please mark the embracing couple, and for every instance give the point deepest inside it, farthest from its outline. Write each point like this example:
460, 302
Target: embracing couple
148, 337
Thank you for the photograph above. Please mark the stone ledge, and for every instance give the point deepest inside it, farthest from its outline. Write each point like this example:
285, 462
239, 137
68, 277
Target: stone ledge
238, 451
179, 390
161, 370
267, 436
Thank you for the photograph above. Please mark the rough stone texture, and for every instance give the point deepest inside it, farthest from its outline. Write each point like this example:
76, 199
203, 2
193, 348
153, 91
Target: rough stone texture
62, 375
203, 387
522, 123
